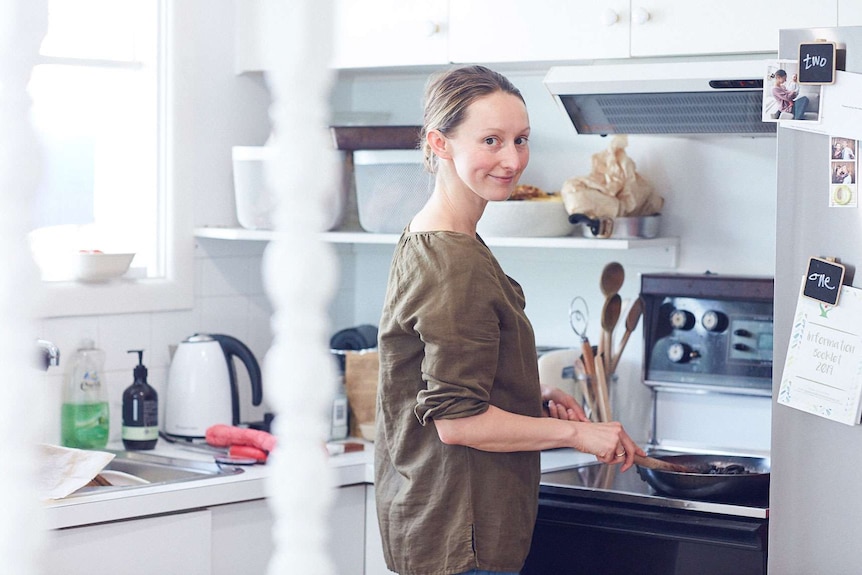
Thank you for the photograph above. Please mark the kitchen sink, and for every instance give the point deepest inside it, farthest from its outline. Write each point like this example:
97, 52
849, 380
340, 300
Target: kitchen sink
131, 469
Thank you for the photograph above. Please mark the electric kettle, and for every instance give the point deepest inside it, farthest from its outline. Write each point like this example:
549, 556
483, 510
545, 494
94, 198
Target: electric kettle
201, 389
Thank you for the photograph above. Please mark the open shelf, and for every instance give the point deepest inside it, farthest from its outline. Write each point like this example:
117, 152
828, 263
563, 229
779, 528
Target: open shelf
669, 245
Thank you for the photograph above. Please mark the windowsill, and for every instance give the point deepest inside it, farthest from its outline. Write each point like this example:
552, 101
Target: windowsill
61, 299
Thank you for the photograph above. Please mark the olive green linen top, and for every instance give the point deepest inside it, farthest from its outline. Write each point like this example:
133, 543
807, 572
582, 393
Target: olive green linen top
453, 340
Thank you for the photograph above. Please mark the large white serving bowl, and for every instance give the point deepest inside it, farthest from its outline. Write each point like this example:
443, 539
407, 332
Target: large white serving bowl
525, 218
99, 267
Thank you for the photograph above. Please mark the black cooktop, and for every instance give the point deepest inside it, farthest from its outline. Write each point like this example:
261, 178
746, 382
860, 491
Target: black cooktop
606, 482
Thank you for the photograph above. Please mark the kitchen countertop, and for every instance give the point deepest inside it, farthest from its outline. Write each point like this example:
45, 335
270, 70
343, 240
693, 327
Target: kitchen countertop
119, 504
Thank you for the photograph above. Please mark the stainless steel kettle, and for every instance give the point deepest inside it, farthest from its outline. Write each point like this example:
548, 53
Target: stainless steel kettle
201, 389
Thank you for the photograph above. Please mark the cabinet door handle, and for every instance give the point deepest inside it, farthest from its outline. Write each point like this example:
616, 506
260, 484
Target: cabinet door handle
640, 16
429, 28
610, 17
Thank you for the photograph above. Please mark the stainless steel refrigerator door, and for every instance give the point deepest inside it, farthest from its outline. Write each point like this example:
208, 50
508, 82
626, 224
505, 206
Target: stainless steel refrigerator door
815, 502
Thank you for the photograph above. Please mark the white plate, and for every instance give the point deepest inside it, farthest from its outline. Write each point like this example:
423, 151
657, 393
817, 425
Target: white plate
122, 479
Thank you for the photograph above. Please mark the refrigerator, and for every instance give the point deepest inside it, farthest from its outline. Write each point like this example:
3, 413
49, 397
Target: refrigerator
815, 523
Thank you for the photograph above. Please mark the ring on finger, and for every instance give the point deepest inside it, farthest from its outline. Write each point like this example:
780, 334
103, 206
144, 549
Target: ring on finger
623, 454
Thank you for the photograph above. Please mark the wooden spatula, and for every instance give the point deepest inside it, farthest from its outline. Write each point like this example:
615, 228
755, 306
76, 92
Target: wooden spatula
661, 465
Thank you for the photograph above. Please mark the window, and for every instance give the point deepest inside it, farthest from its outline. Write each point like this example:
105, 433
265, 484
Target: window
95, 111
100, 114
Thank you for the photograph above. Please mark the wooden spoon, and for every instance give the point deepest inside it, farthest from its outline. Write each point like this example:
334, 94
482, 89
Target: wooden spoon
632, 319
612, 278
661, 465
610, 316
602, 395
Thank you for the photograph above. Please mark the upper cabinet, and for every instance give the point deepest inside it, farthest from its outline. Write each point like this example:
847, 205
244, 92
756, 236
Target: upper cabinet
525, 30
372, 33
849, 13
683, 27
398, 33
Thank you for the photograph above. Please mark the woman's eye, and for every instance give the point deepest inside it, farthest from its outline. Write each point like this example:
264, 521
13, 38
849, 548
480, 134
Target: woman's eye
490, 141
522, 141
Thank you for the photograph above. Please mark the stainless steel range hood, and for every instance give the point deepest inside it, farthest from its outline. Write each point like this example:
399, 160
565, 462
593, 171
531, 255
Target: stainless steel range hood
720, 97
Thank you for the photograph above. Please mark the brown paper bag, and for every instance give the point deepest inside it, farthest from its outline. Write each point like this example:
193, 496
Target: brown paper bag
361, 369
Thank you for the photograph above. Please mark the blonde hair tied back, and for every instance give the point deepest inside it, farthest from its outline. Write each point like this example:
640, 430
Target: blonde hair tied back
447, 97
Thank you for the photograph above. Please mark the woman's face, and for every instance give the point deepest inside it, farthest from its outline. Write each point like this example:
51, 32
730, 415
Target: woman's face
490, 149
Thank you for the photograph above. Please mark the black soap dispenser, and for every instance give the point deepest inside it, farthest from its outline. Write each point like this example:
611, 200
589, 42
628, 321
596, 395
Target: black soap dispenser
140, 410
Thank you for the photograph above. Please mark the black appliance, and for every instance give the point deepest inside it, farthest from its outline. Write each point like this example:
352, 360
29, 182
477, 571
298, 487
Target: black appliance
708, 336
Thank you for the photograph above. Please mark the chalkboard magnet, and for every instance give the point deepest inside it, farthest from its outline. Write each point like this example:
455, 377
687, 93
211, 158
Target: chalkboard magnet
817, 62
823, 280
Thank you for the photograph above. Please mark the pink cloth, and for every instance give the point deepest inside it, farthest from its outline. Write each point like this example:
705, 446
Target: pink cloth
221, 435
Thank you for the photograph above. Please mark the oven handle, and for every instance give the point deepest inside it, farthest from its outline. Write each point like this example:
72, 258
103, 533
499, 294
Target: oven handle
670, 524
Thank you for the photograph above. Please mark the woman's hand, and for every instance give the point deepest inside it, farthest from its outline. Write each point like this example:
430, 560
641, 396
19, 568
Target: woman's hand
561, 405
609, 442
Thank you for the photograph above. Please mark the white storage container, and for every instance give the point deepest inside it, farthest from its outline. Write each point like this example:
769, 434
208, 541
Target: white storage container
254, 200
391, 186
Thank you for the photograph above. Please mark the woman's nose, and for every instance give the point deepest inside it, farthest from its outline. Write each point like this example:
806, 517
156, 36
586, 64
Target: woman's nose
515, 157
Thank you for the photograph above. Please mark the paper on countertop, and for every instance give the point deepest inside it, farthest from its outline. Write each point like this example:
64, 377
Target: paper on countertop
64, 470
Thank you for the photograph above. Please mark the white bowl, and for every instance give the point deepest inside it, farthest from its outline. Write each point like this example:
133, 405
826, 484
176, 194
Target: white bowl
525, 218
97, 267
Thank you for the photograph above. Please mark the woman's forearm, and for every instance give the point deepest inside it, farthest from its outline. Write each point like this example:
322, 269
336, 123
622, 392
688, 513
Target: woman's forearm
499, 430
503, 431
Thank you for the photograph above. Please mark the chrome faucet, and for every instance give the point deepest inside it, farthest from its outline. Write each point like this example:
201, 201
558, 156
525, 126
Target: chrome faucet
48, 354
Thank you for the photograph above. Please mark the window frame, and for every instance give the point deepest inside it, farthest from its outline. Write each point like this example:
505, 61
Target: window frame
173, 291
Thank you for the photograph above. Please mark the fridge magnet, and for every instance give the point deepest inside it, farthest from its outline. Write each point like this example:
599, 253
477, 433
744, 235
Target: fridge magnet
843, 172
785, 99
823, 280
823, 370
817, 63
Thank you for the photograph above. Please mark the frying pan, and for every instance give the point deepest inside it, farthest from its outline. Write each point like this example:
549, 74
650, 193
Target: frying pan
752, 483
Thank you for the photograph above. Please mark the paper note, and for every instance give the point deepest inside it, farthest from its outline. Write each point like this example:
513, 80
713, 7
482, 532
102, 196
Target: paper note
823, 371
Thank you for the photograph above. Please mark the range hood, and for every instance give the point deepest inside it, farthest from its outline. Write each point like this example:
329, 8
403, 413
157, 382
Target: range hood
718, 97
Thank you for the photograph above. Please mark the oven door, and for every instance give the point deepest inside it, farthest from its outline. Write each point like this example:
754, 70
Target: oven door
576, 535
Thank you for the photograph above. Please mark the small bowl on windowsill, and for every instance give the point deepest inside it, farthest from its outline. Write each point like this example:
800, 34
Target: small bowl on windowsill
98, 267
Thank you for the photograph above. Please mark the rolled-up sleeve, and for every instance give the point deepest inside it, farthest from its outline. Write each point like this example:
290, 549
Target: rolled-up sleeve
457, 319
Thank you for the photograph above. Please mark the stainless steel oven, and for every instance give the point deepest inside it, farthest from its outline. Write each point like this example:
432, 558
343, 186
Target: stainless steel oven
708, 363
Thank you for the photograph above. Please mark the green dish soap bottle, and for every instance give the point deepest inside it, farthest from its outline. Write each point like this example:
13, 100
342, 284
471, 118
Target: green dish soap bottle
84, 419
140, 410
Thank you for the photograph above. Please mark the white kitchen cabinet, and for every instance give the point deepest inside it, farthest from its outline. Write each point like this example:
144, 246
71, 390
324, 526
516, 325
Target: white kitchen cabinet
372, 33
683, 27
174, 543
849, 13
525, 30
242, 534
241, 537
347, 530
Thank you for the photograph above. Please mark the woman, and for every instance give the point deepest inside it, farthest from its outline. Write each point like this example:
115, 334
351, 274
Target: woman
788, 100
459, 406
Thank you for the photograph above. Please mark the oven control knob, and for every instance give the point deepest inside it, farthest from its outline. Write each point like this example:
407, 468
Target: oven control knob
681, 319
680, 352
714, 321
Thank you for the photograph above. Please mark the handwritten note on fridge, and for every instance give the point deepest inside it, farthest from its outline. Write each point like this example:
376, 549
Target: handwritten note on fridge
823, 371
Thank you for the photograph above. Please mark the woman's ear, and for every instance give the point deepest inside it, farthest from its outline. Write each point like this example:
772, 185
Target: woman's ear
438, 144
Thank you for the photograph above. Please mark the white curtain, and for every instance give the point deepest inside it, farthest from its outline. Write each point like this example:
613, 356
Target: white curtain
299, 275
23, 24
